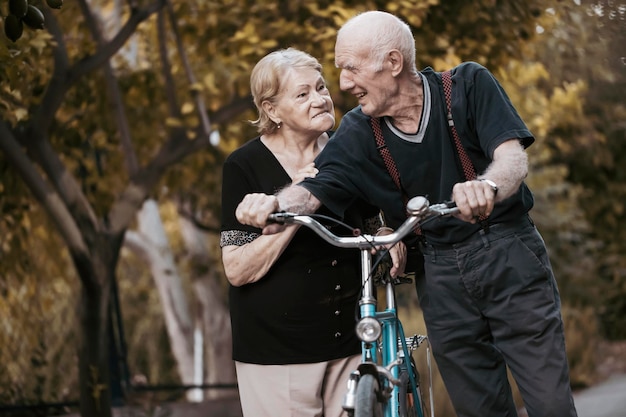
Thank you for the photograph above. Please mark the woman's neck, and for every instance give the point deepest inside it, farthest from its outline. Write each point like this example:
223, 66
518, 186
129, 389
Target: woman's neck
294, 153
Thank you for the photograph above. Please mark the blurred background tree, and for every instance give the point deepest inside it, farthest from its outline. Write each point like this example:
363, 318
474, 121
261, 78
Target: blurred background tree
106, 101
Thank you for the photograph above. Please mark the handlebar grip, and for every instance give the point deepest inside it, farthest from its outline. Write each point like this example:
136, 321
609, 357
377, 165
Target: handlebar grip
274, 218
280, 217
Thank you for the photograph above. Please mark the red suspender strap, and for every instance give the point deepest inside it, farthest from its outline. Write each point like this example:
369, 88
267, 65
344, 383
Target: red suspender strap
385, 154
388, 159
466, 162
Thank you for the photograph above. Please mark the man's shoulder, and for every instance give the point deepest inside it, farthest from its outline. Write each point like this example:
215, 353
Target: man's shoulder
356, 114
469, 67
355, 119
465, 69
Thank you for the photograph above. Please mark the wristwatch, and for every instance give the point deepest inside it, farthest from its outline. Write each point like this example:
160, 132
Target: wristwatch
492, 184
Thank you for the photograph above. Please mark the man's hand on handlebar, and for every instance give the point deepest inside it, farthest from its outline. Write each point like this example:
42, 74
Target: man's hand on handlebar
473, 199
254, 210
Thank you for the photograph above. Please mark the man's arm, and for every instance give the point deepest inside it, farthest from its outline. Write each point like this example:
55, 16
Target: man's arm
254, 209
507, 170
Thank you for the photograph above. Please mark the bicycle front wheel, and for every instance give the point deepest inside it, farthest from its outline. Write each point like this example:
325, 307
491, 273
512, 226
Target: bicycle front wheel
368, 397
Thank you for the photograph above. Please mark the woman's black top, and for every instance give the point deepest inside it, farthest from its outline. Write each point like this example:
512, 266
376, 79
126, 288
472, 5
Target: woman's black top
303, 310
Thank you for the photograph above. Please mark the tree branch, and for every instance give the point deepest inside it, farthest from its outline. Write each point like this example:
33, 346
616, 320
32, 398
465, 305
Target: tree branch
110, 48
116, 101
175, 149
205, 124
40, 149
212, 227
42, 192
58, 85
166, 68
236, 106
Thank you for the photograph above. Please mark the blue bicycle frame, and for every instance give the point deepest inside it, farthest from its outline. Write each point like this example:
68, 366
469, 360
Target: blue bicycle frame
392, 338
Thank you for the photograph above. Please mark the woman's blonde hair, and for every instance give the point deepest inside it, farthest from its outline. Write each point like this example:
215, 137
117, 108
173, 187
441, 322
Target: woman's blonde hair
266, 81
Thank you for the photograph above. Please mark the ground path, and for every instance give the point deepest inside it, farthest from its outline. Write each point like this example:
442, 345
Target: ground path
607, 399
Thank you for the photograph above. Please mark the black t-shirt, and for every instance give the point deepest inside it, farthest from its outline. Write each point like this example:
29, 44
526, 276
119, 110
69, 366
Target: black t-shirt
303, 309
350, 166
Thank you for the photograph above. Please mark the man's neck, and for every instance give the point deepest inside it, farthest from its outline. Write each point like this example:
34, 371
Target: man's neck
407, 116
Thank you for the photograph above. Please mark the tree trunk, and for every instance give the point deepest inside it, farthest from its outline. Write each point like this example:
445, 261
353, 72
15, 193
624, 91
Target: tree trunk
94, 371
219, 368
214, 312
151, 243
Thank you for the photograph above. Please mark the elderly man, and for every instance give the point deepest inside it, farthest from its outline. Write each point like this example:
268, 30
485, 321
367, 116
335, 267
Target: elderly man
488, 293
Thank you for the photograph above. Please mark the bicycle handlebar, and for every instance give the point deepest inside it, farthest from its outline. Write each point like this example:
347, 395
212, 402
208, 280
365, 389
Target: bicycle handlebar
418, 210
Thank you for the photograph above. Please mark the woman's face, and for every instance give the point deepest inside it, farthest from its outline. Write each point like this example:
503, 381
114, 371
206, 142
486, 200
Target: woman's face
304, 103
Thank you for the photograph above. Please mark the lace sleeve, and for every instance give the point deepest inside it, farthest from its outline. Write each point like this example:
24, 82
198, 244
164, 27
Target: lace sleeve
236, 238
371, 224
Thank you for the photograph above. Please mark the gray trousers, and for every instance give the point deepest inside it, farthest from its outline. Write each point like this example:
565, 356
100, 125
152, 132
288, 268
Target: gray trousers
492, 302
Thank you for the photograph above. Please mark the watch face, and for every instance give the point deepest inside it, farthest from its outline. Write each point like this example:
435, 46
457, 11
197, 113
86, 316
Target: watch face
492, 184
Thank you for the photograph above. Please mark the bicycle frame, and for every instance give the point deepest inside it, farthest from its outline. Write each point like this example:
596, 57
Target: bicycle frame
392, 339
381, 331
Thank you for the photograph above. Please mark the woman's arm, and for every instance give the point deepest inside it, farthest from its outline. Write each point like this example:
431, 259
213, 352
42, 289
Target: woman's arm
250, 262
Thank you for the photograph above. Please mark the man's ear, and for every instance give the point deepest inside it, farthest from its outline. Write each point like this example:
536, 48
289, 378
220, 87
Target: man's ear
396, 61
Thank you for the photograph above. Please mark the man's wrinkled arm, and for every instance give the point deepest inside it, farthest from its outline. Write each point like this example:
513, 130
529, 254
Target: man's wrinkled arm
297, 199
508, 169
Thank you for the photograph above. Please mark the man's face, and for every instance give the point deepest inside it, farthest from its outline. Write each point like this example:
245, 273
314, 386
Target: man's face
361, 77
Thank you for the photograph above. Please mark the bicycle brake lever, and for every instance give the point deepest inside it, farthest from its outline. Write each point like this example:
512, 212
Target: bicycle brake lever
444, 209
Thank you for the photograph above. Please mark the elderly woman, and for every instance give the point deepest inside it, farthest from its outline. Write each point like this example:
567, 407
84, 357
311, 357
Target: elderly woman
292, 295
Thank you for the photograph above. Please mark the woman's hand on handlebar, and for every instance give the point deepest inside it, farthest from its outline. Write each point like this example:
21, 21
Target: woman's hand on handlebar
254, 210
398, 254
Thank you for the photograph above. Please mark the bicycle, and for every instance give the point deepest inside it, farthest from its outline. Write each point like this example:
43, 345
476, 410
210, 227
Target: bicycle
386, 382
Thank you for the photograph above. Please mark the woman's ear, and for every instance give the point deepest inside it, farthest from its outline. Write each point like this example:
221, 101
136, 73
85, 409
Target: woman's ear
269, 109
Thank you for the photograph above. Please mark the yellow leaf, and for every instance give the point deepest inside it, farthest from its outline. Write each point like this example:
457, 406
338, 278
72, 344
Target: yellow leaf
209, 81
268, 44
197, 87
20, 114
187, 108
173, 122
